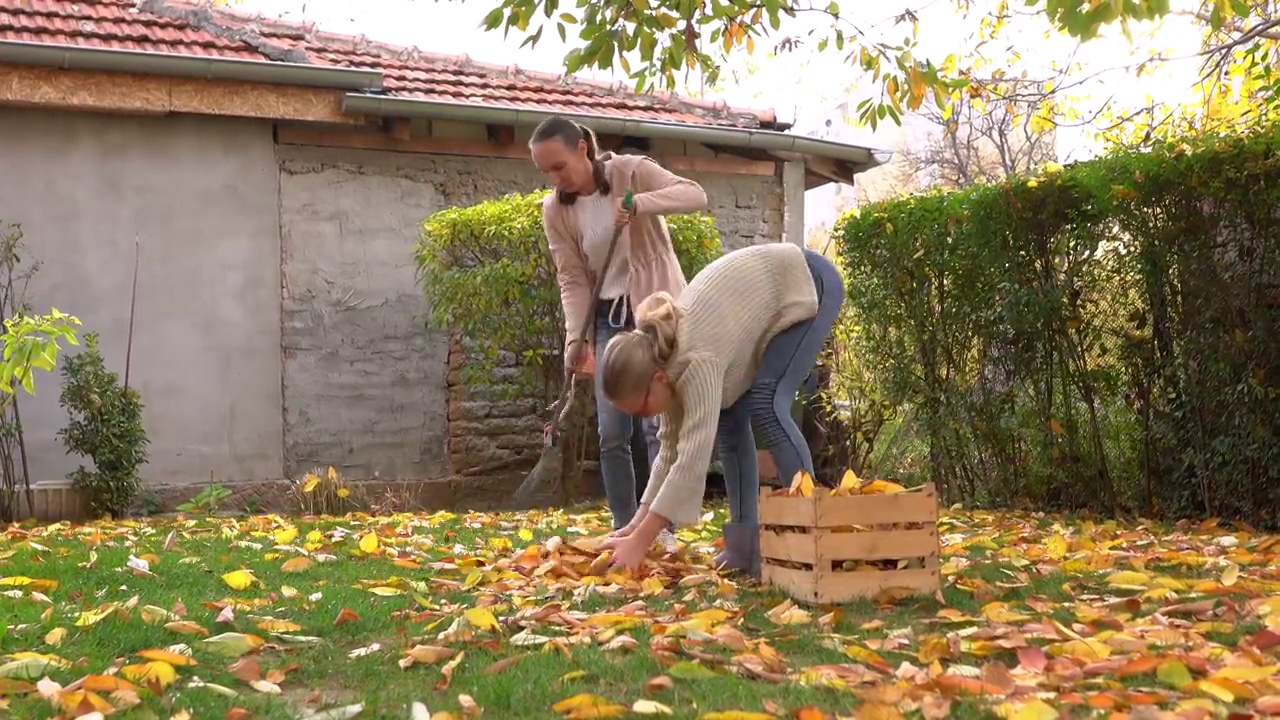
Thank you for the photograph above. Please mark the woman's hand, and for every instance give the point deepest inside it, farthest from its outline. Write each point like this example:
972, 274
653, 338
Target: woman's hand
630, 551
579, 357
621, 215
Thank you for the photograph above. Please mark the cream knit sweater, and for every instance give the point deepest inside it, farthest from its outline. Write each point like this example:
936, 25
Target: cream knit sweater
732, 309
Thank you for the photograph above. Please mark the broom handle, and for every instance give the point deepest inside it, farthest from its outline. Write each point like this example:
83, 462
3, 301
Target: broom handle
561, 406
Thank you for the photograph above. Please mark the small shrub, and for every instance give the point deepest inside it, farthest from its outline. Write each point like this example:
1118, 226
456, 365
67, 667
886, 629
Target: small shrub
207, 501
105, 426
489, 276
322, 493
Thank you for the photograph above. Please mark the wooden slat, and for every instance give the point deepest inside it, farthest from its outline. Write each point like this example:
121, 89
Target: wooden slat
904, 507
783, 510
793, 546
797, 584
133, 94
838, 587
896, 544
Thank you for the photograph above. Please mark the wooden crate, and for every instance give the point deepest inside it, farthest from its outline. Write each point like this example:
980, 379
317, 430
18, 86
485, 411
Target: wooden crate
807, 544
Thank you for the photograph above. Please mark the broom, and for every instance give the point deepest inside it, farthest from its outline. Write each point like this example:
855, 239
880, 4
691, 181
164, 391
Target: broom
551, 462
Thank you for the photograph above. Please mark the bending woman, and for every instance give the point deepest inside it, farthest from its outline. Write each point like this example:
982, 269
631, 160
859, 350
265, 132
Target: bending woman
730, 354
579, 220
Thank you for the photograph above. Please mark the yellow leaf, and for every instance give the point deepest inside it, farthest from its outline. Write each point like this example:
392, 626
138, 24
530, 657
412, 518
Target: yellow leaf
239, 579
312, 481
55, 636
736, 715
473, 577
153, 615
284, 626
525, 535
286, 536
1036, 710
1211, 688
849, 481
882, 487
384, 591
1246, 674
482, 619
155, 670
167, 656
802, 483
1085, 649
1055, 547
233, 643
369, 543
1128, 578
650, 707
343, 492
586, 705
1230, 576
651, 586
95, 616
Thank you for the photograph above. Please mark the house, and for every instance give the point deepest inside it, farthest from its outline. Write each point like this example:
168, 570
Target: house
271, 177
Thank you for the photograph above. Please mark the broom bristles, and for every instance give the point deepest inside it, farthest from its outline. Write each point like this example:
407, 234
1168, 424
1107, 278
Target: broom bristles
541, 476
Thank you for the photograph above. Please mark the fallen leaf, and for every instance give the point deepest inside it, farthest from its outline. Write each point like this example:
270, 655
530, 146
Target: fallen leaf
239, 579
649, 707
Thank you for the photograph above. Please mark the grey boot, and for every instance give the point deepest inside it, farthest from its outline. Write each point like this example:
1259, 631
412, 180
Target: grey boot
741, 549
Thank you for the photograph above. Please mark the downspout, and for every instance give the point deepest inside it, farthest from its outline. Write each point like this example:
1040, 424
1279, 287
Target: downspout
75, 57
767, 140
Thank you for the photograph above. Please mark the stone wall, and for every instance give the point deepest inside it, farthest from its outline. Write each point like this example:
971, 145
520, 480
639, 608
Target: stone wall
364, 378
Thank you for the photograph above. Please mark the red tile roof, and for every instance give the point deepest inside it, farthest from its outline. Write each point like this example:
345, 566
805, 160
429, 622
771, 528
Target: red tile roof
199, 28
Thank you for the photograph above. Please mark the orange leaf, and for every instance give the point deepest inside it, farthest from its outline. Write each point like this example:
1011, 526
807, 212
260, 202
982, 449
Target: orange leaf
345, 616
108, 683
1139, 666
297, 564
966, 685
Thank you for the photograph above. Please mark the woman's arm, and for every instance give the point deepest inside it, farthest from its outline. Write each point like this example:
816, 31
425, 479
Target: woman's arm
667, 434
680, 497
571, 275
659, 192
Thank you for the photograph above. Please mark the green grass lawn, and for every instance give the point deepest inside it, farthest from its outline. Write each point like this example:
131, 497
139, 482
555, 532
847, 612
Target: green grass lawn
1042, 616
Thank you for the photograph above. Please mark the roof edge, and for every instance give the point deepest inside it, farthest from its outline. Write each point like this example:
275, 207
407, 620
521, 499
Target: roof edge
247, 27
770, 140
80, 57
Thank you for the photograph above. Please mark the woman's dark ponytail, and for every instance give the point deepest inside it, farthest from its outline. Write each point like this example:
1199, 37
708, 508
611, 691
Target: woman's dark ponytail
571, 133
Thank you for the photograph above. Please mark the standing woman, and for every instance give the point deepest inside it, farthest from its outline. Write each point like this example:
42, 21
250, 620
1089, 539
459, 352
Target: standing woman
729, 354
579, 220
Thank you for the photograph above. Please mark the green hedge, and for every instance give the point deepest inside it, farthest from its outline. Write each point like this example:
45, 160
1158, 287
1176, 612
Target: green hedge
1103, 337
488, 275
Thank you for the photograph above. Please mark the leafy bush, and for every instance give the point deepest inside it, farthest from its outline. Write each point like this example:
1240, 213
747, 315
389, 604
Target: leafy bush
489, 276
105, 426
31, 342
1104, 336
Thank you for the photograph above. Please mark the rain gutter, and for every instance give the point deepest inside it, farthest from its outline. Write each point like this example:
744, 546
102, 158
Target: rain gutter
75, 57
748, 138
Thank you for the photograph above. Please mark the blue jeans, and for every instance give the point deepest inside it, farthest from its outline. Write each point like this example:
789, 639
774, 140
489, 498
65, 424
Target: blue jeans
628, 444
786, 364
